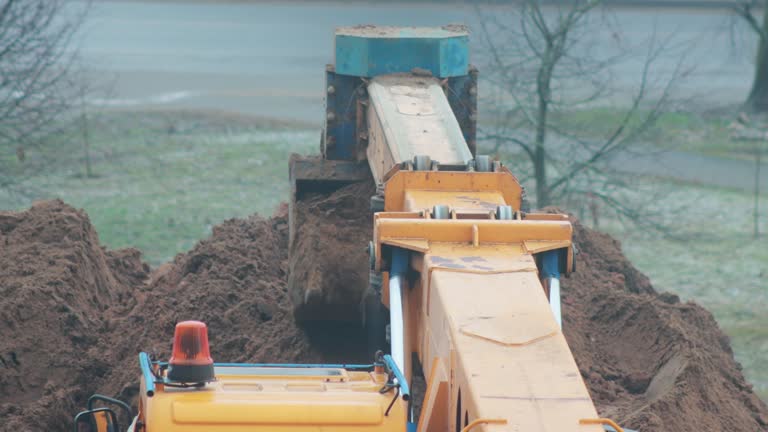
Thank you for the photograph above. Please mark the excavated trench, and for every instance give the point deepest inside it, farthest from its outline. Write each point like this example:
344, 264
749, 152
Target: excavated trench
74, 315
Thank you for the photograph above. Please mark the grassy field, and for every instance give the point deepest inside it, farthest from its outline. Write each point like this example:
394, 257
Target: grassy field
161, 180
707, 133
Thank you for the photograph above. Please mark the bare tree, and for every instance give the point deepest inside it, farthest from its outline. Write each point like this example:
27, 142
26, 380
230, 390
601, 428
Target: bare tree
545, 62
756, 137
758, 95
37, 87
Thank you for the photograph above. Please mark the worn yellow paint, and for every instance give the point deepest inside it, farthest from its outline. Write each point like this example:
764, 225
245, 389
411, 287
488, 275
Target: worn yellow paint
421, 190
478, 314
241, 401
480, 421
426, 199
538, 246
435, 404
406, 116
417, 234
603, 421
495, 333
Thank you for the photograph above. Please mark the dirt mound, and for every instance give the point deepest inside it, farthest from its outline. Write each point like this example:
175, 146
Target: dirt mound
105, 307
328, 272
57, 291
79, 315
651, 362
235, 282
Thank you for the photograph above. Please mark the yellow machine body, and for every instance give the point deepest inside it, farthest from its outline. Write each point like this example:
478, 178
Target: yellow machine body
471, 273
245, 398
477, 315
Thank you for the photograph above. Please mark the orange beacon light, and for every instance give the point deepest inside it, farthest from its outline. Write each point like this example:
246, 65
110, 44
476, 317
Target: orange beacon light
191, 360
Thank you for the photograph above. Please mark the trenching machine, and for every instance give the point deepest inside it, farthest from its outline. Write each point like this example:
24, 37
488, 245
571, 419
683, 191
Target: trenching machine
469, 279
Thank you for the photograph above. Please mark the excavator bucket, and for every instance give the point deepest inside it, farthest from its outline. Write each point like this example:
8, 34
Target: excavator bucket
330, 223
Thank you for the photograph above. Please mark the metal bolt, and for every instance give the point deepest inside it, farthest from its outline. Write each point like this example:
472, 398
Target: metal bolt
473, 90
331, 89
330, 116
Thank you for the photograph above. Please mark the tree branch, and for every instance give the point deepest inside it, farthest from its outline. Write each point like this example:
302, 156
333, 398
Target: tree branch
744, 10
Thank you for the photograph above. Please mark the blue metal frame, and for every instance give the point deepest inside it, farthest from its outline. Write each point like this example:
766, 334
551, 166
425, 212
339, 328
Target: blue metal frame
368, 52
364, 55
290, 365
344, 132
405, 390
400, 261
550, 264
341, 115
149, 378
146, 370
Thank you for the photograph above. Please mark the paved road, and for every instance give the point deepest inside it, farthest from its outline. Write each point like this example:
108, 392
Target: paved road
267, 59
695, 168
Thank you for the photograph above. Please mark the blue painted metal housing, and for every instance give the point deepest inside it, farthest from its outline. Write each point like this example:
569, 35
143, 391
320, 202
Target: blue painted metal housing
550, 264
145, 364
368, 51
146, 371
405, 390
344, 94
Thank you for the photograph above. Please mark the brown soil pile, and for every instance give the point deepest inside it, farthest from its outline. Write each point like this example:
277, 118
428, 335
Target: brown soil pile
78, 315
233, 281
58, 288
651, 362
328, 272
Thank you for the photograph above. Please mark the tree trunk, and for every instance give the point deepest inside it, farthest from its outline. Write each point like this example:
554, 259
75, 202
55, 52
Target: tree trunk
539, 154
756, 210
540, 173
86, 138
758, 96
543, 83
87, 146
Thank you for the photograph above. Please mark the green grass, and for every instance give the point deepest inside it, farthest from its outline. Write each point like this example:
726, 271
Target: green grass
161, 186
705, 133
